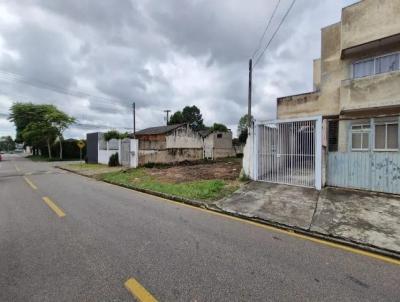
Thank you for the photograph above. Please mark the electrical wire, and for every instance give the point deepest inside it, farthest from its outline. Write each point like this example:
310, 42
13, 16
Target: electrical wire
274, 34
266, 29
14, 77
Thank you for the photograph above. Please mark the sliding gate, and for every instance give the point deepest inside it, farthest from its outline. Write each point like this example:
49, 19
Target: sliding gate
289, 152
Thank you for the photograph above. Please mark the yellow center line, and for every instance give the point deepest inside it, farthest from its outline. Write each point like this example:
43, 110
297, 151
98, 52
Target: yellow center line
53, 206
138, 291
332, 244
30, 183
17, 168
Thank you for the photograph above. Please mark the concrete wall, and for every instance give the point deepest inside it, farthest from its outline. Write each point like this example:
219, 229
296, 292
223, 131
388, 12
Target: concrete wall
333, 70
317, 74
152, 142
329, 71
222, 140
248, 156
184, 137
369, 20
302, 105
344, 128
92, 141
104, 155
169, 156
370, 92
134, 154
226, 152
335, 90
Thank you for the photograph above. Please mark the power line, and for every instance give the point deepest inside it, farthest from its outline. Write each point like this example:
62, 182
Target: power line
82, 125
266, 29
14, 77
276, 31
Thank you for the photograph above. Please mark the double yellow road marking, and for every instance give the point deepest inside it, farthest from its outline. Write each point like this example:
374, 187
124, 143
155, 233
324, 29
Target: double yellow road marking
138, 291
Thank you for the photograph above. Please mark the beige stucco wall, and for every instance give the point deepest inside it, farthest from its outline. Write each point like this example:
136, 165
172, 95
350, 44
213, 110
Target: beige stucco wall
343, 135
329, 71
333, 70
169, 156
224, 142
299, 106
335, 91
371, 92
369, 20
184, 137
317, 74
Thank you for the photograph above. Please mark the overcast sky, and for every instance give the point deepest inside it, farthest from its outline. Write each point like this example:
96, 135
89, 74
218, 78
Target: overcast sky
161, 54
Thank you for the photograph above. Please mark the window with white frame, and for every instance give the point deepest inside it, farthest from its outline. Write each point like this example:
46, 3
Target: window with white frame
387, 63
360, 137
364, 68
387, 136
376, 65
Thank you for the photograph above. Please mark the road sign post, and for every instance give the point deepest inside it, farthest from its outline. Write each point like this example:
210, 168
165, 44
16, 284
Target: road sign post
81, 144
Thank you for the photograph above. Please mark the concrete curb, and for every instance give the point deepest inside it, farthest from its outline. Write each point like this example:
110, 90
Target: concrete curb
212, 207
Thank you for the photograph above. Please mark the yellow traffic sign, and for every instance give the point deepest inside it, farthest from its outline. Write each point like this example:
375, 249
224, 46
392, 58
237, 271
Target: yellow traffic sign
80, 144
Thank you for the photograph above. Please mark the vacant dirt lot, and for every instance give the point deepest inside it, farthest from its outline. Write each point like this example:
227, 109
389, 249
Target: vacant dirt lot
227, 169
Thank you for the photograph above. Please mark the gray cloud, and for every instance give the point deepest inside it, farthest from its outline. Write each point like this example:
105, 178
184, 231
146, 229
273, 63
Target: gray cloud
160, 54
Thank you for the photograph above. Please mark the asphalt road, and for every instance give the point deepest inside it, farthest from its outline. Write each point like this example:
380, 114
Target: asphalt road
177, 253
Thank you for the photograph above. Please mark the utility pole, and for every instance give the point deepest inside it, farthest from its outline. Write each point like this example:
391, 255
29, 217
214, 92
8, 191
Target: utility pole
167, 112
249, 95
134, 118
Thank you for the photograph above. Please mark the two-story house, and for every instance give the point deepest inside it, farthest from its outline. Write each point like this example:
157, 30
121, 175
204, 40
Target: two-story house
357, 97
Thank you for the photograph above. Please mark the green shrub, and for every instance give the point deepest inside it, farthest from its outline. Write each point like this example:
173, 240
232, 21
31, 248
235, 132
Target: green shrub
114, 161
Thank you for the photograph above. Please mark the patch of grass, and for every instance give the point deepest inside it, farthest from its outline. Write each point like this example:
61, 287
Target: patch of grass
84, 166
44, 158
199, 190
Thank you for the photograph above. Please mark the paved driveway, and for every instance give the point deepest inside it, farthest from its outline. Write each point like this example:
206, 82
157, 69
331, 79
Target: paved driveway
364, 217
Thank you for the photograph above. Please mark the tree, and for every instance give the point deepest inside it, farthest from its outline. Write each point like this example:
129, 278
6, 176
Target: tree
219, 127
38, 132
114, 134
243, 136
60, 121
39, 124
242, 128
190, 115
176, 118
22, 114
7, 143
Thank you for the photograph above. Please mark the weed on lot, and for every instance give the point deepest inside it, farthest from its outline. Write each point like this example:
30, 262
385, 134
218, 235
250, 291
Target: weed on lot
208, 189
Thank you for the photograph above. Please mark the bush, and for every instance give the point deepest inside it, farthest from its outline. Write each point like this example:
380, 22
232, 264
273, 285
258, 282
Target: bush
114, 134
114, 161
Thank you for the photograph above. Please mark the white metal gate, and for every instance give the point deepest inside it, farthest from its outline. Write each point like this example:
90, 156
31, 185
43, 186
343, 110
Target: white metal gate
289, 152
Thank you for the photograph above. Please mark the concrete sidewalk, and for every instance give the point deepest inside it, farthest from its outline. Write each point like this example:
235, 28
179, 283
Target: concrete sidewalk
358, 216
